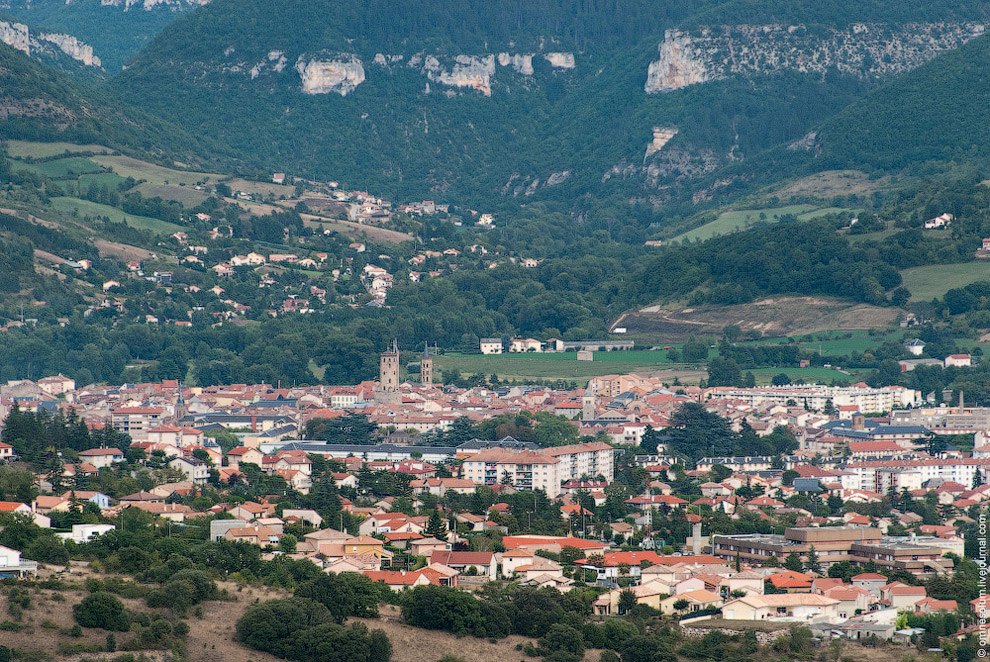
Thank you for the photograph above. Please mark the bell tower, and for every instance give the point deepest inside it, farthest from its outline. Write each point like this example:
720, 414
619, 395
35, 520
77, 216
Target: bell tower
388, 372
426, 367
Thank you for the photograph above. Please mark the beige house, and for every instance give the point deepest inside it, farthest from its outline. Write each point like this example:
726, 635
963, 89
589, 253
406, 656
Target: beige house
244, 455
491, 345
799, 607
649, 594
697, 600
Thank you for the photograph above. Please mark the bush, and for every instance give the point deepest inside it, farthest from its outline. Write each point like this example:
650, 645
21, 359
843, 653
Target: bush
177, 595
101, 610
332, 592
270, 625
562, 638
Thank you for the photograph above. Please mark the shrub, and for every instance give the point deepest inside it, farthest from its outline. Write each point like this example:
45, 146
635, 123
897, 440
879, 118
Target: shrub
101, 610
269, 626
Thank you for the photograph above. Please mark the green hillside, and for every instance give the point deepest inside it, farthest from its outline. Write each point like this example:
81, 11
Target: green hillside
116, 33
42, 104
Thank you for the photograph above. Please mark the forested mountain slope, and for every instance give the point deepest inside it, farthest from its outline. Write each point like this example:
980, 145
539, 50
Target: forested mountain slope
39, 103
474, 100
115, 29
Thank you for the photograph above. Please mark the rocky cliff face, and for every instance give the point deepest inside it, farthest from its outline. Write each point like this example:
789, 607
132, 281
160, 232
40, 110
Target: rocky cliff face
148, 5
864, 50
471, 71
72, 47
17, 35
340, 73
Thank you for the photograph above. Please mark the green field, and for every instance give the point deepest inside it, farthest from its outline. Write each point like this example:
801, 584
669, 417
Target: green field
187, 195
734, 221
108, 179
546, 366
826, 375
24, 148
925, 283
859, 342
87, 208
566, 366
68, 168
125, 166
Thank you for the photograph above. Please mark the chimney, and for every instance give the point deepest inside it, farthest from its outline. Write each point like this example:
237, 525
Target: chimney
960, 401
696, 538
254, 423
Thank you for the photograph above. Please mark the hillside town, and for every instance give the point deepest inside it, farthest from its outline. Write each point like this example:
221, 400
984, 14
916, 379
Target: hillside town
860, 512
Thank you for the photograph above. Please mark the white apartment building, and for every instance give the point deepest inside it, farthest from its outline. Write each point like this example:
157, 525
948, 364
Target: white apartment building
524, 470
816, 396
545, 469
136, 421
577, 460
877, 476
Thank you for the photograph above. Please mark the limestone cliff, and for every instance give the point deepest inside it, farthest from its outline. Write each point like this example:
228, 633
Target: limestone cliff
149, 5
863, 50
341, 74
72, 47
523, 63
18, 35
472, 71
15, 35
560, 60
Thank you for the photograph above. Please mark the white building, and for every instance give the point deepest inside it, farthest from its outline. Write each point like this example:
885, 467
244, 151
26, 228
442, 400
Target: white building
491, 345
84, 532
816, 396
801, 607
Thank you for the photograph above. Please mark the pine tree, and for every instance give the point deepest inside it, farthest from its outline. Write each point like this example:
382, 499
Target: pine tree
436, 527
812, 563
793, 562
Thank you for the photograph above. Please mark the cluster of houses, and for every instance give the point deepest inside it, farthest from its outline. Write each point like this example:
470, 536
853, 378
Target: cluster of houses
845, 453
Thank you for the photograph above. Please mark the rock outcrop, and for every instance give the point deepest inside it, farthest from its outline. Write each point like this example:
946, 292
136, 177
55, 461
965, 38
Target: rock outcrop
72, 47
472, 71
340, 74
17, 35
148, 5
661, 136
862, 50
560, 60
523, 63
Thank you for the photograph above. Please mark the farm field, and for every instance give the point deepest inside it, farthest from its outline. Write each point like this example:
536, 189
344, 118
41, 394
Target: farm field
108, 179
831, 183
825, 375
737, 220
126, 166
187, 195
87, 208
925, 283
68, 168
34, 150
859, 342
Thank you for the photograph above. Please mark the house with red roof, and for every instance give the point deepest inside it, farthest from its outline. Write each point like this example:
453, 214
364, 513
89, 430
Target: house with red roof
931, 605
399, 580
790, 581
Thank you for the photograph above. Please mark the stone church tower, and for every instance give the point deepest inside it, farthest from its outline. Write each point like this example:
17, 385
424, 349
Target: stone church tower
426, 367
388, 373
